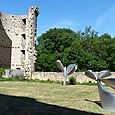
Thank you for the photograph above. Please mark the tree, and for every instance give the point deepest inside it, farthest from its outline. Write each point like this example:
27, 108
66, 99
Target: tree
86, 49
53, 45
108, 50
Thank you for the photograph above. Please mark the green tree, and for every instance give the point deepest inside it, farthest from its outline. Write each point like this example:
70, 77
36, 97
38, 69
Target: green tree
53, 45
91, 57
86, 49
108, 50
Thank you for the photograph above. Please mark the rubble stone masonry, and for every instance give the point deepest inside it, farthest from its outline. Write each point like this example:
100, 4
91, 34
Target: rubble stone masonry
58, 76
18, 40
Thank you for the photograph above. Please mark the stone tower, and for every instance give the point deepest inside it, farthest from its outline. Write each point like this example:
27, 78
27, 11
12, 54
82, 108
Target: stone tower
18, 40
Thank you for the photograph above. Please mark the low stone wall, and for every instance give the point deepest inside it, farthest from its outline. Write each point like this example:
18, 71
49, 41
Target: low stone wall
58, 76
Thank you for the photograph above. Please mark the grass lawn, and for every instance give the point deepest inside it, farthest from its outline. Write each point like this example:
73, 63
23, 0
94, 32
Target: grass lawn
36, 98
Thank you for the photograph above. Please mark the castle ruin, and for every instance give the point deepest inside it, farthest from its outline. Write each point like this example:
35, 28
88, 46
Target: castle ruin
18, 40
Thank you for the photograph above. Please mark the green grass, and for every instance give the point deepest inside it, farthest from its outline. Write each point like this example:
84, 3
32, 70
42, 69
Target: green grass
37, 98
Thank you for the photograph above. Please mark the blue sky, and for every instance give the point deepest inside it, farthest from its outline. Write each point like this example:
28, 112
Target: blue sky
73, 14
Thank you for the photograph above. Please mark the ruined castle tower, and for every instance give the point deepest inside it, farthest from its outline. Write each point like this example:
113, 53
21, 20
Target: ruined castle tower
18, 40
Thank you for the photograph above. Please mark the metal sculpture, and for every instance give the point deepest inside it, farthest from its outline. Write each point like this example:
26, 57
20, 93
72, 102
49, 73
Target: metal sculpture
14, 73
106, 97
66, 71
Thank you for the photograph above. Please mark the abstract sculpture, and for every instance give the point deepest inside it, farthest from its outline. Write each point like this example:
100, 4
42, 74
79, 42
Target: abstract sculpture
106, 97
14, 73
66, 71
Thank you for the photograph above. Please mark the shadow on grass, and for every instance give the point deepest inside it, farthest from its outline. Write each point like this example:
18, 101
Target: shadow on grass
12, 105
96, 102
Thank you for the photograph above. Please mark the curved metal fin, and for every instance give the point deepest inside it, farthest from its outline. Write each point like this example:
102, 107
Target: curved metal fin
65, 76
107, 98
104, 74
71, 69
60, 65
110, 82
90, 74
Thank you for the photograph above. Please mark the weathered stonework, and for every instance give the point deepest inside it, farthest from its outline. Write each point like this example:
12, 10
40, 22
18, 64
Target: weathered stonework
18, 40
58, 76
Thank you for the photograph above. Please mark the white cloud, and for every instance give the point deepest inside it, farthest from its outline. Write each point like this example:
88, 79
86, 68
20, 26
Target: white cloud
65, 24
62, 24
106, 19
106, 22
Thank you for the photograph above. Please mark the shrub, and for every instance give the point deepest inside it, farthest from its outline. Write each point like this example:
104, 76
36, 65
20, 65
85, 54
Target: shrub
89, 83
2, 70
72, 80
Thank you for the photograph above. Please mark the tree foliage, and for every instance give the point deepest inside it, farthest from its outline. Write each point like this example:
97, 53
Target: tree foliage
86, 49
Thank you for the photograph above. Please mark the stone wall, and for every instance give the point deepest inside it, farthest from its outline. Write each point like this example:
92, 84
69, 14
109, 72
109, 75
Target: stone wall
58, 76
12, 29
18, 39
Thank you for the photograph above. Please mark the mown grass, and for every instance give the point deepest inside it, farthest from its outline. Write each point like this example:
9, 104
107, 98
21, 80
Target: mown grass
38, 98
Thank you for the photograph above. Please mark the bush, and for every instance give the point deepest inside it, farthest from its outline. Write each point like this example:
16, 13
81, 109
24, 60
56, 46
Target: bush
72, 81
2, 70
